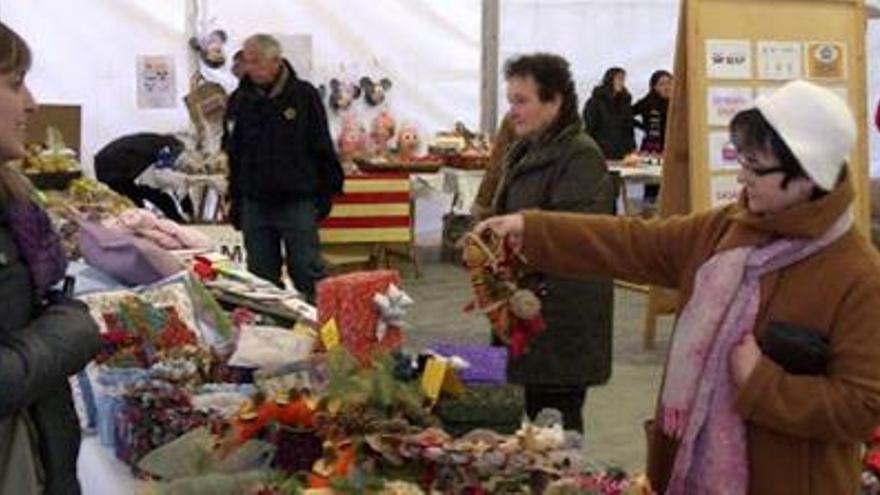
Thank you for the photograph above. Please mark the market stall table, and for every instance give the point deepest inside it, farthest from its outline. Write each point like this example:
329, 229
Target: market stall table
628, 176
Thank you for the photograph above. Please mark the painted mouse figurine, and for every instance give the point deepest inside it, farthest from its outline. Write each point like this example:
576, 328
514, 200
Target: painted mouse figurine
342, 94
375, 91
210, 48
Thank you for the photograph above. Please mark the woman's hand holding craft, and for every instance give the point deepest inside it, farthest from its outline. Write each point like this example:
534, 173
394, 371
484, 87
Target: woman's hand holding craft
509, 227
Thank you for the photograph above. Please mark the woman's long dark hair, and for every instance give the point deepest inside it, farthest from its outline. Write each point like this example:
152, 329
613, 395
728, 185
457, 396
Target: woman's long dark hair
655, 78
15, 58
606, 89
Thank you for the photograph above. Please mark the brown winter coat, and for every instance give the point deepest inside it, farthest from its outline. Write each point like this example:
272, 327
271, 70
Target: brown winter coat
804, 432
564, 172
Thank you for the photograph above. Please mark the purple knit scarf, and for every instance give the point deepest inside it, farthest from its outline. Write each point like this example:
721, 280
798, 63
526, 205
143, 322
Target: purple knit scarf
38, 244
697, 402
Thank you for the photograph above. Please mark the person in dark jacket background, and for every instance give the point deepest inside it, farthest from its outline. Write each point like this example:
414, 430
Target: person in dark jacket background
44, 336
283, 167
122, 160
608, 116
651, 112
555, 166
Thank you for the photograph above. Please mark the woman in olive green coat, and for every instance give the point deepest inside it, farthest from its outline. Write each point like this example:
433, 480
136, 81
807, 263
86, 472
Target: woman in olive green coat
556, 166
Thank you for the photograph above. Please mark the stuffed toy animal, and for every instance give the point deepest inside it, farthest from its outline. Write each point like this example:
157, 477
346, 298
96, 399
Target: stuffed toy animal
210, 48
407, 142
374, 91
352, 139
382, 130
342, 94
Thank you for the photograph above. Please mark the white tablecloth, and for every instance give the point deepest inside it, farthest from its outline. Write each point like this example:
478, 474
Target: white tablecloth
101, 473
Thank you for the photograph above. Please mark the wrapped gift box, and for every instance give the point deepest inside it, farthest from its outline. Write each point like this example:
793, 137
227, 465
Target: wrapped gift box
349, 299
487, 364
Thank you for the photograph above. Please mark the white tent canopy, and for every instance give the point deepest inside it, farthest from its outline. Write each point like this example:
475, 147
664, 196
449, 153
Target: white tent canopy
86, 51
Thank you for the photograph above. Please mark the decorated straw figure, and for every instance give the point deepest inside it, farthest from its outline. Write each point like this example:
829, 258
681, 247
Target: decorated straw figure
514, 312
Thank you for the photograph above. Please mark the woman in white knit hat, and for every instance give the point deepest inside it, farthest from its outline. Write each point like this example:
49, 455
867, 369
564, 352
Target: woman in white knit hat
772, 379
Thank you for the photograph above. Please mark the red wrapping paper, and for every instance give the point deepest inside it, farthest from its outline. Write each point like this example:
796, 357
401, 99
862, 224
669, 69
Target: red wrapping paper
349, 299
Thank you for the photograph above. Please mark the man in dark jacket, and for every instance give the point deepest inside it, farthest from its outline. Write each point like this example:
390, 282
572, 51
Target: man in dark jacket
283, 168
122, 160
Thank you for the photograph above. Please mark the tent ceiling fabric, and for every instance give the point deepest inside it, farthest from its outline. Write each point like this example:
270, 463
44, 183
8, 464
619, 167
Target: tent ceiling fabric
430, 50
85, 51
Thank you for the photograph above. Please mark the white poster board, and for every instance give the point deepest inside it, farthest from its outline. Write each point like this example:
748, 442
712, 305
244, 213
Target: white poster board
826, 60
726, 101
227, 240
728, 59
779, 60
722, 152
724, 189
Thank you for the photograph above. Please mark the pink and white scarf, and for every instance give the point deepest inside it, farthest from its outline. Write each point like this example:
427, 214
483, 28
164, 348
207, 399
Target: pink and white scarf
697, 402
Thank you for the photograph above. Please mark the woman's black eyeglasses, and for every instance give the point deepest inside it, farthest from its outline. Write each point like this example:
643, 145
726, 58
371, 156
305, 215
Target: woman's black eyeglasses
748, 163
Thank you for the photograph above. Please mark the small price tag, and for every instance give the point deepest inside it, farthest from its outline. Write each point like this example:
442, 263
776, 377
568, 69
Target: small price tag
440, 377
304, 330
433, 376
330, 334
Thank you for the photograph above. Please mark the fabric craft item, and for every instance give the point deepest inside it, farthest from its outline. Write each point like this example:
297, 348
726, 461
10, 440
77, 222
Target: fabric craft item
38, 244
194, 454
165, 233
169, 293
697, 401
131, 260
110, 385
262, 346
153, 414
349, 299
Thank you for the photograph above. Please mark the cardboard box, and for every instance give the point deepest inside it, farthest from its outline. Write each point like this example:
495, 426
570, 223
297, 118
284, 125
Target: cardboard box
66, 118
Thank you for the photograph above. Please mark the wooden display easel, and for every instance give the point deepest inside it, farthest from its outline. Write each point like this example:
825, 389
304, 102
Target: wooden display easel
690, 181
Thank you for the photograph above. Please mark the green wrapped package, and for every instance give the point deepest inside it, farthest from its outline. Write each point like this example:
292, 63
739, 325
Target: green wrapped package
494, 407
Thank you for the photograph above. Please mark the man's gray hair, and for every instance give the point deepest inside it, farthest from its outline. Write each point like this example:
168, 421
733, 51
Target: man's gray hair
265, 44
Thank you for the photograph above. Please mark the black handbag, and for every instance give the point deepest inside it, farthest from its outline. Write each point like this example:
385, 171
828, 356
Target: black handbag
799, 350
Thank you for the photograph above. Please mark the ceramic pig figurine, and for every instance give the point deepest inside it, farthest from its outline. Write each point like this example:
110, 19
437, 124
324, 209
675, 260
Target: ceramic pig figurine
382, 130
407, 142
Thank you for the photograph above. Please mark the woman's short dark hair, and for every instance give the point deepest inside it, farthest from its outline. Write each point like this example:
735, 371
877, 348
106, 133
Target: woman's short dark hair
552, 75
750, 131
